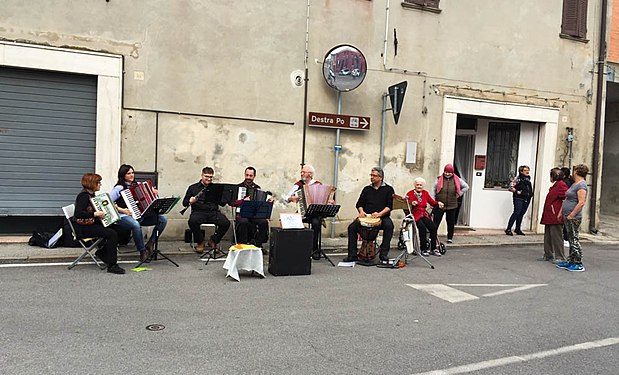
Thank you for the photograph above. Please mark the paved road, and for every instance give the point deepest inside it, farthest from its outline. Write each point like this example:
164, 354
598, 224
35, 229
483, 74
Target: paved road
336, 321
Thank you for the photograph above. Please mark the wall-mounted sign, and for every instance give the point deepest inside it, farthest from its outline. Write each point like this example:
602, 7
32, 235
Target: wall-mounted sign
480, 162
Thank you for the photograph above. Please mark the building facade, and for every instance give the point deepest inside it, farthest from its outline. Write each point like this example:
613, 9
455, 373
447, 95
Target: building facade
491, 85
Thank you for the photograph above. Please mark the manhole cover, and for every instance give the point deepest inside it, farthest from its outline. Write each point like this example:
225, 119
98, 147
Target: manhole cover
155, 327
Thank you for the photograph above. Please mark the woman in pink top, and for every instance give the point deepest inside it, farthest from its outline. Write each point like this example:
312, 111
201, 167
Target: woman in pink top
419, 199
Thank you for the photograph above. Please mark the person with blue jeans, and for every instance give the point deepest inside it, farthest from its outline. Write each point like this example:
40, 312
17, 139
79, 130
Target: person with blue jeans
126, 178
522, 192
572, 212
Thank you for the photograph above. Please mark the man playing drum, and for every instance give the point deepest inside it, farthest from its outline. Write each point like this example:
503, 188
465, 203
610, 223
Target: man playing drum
376, 201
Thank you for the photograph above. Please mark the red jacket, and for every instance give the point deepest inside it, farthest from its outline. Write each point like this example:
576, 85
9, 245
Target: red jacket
420, 209
552, 205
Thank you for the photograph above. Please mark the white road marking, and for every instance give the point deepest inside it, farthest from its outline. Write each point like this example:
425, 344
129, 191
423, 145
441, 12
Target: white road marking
453, 295
515, 288
523, 358
18, 265
445, 292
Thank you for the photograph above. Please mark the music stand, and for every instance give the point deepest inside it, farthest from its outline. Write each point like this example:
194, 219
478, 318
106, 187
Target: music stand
160, 206
256, 209
322, 211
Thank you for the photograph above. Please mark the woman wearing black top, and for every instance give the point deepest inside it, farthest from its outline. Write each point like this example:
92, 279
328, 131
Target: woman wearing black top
523, 191
88, 223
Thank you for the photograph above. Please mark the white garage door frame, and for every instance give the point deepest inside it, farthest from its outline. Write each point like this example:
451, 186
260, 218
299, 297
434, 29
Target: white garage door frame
107, 68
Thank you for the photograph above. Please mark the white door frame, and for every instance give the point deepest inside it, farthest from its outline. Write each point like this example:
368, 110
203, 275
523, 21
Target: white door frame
547, 117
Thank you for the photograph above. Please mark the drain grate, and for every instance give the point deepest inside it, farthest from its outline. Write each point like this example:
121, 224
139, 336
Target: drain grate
155, 327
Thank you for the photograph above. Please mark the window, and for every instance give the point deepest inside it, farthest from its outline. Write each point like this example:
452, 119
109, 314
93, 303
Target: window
431, 5
502, 154
574, 20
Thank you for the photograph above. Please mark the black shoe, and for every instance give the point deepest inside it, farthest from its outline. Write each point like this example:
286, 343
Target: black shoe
350, 259
144, 256
519, 232
383, 258
115, 269
508, 232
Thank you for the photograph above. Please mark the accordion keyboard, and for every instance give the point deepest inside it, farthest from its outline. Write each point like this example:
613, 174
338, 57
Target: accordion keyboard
132, 205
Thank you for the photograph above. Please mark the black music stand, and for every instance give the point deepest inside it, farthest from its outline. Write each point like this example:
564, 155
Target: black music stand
160, 206
256, 209
322, 211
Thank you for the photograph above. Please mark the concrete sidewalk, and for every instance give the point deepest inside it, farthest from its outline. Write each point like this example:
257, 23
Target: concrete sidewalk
16, 249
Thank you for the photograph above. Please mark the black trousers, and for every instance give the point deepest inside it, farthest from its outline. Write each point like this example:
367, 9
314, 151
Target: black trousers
425, 226
208, 217
256, 230
386, 226
315, 224
450, 215
109, 252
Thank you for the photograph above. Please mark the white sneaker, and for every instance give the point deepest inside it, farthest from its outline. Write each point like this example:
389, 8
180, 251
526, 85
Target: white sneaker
566, 244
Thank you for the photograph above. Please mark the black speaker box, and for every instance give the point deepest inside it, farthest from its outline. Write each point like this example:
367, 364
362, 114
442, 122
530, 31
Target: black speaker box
290, 252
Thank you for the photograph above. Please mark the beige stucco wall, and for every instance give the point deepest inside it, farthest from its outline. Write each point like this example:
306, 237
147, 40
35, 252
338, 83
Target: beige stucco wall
217, 60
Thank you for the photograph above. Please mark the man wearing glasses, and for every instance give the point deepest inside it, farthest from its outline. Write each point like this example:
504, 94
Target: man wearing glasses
204, 197
376, 200
307, 178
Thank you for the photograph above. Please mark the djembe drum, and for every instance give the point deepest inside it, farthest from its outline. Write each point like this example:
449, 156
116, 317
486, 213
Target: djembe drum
370, 226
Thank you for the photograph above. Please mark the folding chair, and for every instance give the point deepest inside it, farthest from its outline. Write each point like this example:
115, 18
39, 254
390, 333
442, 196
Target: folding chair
89, 245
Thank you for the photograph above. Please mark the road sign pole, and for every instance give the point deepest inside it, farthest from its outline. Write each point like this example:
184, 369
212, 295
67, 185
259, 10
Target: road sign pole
337, 148
383, 120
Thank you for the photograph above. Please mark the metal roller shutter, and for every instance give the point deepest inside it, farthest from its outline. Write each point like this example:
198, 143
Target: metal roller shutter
47, 139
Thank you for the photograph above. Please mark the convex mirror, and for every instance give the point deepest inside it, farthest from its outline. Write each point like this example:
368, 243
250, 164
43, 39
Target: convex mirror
344, 67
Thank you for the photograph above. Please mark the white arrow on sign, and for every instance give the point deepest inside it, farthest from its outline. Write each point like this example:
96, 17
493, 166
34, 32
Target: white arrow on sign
364, 123
453, 295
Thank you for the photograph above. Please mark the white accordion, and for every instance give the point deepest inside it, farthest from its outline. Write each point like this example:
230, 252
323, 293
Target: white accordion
103, 202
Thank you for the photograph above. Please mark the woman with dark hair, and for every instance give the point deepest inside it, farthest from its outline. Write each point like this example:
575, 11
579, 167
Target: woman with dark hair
522, 192
126, 178
552, 218
88, 223
572, 211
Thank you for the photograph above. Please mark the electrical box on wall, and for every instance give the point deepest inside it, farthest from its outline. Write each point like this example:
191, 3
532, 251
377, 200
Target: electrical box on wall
411, 152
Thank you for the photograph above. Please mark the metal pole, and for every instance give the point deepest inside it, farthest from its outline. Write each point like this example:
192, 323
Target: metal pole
381, 163
337, 147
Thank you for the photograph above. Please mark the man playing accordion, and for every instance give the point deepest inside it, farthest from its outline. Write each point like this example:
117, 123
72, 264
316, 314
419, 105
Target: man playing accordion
376, 201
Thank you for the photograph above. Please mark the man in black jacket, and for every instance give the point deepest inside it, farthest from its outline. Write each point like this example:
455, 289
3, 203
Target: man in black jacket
204, 197
376, 200
248, 230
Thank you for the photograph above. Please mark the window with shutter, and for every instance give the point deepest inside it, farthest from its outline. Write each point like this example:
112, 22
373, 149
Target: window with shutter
502, 154
431, 5
574, 19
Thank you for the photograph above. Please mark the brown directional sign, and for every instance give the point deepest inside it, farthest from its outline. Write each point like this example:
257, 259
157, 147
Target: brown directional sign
331, 120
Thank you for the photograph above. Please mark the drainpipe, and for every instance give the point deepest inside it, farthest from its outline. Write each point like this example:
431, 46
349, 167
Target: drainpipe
306, 83
599, 116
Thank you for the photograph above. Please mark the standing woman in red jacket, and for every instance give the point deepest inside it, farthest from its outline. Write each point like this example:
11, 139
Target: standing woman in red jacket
552, 218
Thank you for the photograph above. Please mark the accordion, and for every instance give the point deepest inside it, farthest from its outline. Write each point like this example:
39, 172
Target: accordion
103, 202
253, 194
313, 194
138, 198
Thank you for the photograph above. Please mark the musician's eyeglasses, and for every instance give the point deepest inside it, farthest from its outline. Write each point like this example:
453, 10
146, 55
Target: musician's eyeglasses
374, 175
208, 177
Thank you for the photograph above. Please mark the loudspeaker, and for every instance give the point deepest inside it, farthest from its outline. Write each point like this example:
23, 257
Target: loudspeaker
290, 252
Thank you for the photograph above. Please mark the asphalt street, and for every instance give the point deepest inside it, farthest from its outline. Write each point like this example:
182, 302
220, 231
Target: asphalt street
492, 309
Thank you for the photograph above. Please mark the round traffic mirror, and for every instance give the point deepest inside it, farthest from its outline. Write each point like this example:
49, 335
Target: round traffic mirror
344, 67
